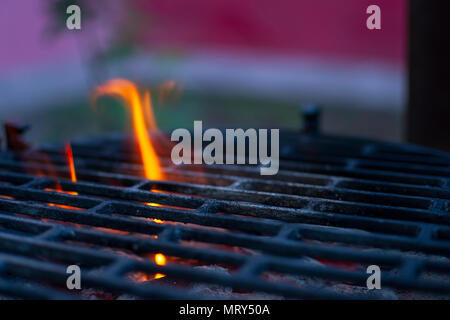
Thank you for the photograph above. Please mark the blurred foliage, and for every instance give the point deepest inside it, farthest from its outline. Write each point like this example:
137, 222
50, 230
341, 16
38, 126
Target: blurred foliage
79, 119
127, 37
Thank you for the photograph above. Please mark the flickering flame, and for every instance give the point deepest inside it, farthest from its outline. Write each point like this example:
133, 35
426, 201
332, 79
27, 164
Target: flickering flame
69, 156
129, 93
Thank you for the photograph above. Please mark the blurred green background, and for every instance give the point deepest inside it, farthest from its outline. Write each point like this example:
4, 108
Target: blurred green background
79, 118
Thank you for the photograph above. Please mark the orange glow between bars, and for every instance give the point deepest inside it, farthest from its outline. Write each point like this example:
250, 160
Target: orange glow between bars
160, 260
152, 204
60, 190
69, 156
130, 94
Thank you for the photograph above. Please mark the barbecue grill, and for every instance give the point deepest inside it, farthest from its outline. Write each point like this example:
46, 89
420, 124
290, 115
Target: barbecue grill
337, 206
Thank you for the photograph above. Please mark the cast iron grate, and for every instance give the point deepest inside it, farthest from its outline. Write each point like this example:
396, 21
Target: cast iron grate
336, 206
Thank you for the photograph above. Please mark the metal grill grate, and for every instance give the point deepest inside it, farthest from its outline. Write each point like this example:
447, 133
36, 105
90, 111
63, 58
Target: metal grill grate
336, 206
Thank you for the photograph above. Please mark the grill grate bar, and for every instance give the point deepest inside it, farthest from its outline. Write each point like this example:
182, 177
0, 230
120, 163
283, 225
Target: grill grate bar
16, 289
295, 248
268, 226
56, 274
89, 255
333, 201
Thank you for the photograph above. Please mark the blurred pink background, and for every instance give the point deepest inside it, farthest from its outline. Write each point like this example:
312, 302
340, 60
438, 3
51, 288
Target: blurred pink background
302, 50
327, 28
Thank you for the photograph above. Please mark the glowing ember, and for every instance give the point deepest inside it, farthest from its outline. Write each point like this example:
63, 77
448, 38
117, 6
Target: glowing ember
63, 206
69, 155
60, 190
129, 93
160, 260
155, 205
109, 230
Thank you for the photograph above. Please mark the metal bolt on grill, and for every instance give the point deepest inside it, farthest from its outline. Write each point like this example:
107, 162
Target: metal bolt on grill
336, 206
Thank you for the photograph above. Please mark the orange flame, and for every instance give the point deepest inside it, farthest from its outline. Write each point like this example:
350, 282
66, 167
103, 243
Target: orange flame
69, 156
130, 94
58, 188
73, 177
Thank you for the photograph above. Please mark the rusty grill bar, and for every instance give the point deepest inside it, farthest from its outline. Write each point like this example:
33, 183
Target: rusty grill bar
334, 199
